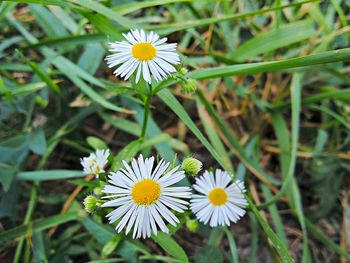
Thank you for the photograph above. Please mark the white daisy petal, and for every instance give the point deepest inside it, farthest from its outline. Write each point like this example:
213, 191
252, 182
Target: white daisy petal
160, 41
145, 72
144, 197
143, 53
220, 201
130, 38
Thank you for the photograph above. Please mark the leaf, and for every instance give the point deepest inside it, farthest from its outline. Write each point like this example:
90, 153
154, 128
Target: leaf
274, 39
111, 245
102, 234
288, 157
166, 29
178, 109
96, 143
316, 233
37, 141
127, 154
7, 173
253, 68
276, 242
233, 247
41, 74
235, 144
101, 9
37, 225
208, 253
214, 138
44, 2
91, 58
49, 175
39, 247
92, 94
48, 22
69, 41
170, 246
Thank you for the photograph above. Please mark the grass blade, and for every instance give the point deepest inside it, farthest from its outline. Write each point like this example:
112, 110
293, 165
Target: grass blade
253, 68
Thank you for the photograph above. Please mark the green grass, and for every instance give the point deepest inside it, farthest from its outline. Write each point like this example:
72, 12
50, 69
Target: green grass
272, 108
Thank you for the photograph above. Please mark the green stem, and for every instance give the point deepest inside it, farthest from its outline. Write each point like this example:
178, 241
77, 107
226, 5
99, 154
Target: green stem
31, 206
145, 114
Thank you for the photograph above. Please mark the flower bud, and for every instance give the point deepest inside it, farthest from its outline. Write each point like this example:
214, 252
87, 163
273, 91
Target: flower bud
189, 86
183, 71
90, 203
191, 166
192, 225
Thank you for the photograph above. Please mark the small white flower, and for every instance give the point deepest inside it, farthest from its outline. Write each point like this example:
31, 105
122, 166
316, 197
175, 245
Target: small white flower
143, 53
95, 162
221, 202
143, 196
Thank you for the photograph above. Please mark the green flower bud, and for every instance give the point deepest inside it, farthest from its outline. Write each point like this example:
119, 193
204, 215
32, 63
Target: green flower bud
183, 71
189, 86
191, 166
192, 225
90, 203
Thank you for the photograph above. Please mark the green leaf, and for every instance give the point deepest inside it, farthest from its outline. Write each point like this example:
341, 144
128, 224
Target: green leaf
208, 253
48, 22
44, 2
103, 10
96, 143
38, 225
288, 157
49, 175
8, 173
127, 154
316, 233
179, 110
37, 141
213, 135
233, 247
70, 41
253, 68
111, 245
235, 143
274, 39
39, 247
166, 29
102, 234
170, 246
276, 242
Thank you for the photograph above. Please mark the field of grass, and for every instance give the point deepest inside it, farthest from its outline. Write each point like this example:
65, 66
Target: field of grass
261, 91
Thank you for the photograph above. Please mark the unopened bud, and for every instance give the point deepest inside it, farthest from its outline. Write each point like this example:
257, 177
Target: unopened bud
192, 225
191, 166
183, 71
189, 86
90, 203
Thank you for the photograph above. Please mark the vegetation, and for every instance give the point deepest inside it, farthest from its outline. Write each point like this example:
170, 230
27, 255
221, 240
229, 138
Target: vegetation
262, 92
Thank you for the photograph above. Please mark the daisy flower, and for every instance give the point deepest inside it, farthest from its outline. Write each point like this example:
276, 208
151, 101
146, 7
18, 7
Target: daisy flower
221, 202
143, 53
144, 196
95, 162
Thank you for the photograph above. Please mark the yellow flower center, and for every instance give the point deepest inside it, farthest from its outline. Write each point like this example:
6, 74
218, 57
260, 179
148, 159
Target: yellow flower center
145, 192
144, 51
218, 196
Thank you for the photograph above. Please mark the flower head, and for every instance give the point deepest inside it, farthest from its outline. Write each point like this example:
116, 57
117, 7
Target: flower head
143, 53
95, 162
220, 202
144, 195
